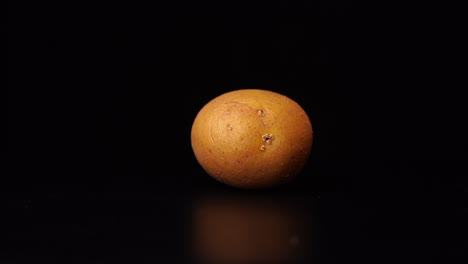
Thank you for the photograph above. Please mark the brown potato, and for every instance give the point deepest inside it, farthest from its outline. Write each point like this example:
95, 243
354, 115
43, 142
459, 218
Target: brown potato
252, 138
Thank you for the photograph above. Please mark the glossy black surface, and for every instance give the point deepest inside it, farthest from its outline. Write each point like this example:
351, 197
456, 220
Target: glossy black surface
102, 98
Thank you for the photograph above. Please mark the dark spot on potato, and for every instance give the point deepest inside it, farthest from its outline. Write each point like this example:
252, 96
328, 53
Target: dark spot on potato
268, 138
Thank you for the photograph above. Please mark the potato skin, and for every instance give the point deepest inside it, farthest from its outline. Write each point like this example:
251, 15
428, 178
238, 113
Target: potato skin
252, 138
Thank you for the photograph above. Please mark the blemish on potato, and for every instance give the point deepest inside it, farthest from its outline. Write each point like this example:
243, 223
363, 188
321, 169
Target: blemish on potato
260, 112
268, 138
262, 147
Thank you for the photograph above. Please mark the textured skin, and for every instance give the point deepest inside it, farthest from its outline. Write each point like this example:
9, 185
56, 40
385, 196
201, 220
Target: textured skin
252, 138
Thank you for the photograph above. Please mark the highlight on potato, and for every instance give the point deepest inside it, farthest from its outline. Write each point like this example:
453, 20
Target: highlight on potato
252, 138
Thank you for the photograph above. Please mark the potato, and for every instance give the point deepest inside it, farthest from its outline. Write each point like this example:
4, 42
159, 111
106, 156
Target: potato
252, 138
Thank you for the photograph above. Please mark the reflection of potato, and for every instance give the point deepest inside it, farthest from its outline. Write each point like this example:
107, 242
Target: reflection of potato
251, 230
252, 138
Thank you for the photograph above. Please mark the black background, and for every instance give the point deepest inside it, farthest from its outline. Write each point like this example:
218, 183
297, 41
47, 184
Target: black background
102, 98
